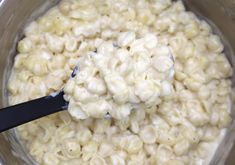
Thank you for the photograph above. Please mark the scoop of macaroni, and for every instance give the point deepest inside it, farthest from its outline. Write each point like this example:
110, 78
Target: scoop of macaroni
114, 80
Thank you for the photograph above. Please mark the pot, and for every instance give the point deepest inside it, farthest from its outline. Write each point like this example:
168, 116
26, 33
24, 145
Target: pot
14, 16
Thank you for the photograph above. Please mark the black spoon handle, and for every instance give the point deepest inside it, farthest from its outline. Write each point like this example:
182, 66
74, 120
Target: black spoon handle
22, 113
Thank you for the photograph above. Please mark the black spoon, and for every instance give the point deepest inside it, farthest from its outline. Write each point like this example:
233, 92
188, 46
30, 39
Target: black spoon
25, 112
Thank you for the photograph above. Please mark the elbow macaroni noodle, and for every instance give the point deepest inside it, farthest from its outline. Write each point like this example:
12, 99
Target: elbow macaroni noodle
124, 51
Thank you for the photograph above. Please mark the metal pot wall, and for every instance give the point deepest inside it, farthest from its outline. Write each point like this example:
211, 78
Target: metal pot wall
14, 15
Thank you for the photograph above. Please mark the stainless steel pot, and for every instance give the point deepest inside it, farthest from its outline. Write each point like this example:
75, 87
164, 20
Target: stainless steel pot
14, 15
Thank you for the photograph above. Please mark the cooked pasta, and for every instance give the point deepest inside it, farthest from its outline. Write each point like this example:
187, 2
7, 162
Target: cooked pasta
157, 69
